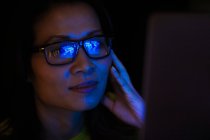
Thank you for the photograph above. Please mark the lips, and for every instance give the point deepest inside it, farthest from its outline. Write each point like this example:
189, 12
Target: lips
84, 87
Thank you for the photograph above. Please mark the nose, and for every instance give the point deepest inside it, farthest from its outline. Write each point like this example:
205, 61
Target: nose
82, 63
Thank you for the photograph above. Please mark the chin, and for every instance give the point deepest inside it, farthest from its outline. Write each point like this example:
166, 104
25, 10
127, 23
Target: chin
91, 103
92, 100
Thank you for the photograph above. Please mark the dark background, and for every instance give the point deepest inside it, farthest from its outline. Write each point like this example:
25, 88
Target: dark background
130, 24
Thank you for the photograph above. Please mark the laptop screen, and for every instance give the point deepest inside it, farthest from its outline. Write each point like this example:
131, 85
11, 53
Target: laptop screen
176, 82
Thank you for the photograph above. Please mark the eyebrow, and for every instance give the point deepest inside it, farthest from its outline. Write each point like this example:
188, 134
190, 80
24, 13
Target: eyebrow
57, 38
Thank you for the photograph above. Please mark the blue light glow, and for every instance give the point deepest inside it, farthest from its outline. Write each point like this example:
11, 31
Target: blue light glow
93, 47
67, 51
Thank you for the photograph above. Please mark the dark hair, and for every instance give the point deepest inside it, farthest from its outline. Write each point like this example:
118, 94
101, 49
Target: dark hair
101, 123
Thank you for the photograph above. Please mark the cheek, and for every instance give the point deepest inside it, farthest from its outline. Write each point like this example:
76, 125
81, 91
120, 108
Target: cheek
49, 82
104, 66
41, 70
102, 71
44, 76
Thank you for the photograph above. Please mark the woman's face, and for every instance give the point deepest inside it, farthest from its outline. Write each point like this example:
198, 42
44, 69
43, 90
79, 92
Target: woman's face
79, 85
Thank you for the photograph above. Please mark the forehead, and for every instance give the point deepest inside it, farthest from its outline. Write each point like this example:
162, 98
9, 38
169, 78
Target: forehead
74, 20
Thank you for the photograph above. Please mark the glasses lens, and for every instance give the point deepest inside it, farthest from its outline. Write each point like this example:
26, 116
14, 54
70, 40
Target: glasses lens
61, 53
96, 47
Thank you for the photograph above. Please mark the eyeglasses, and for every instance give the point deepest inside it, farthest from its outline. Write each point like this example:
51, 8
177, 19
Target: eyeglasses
65, 51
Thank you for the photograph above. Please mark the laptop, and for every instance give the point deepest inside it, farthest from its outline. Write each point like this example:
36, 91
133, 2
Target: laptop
176, 82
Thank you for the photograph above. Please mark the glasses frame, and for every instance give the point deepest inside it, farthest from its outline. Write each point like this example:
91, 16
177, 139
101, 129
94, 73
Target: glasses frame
42, 48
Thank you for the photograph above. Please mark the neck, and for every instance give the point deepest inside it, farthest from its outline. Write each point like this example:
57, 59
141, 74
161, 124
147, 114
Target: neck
57, 123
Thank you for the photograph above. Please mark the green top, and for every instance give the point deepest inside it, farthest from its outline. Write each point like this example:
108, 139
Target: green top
83, 135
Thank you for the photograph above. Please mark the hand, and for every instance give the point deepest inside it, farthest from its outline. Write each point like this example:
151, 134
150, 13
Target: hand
127, 105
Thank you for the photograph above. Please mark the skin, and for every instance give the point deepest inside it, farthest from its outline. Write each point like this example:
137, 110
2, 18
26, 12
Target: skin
60, 108
52, 83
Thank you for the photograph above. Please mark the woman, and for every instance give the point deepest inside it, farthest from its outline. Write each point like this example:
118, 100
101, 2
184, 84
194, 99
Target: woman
66, 50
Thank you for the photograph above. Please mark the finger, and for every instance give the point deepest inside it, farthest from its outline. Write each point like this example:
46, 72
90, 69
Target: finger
119, 80
122, 79
126, 90
108, 102
120, 67
117, 63
132, 99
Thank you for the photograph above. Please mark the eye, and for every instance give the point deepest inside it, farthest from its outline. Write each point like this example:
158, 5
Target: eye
53, 51
67, 50
93, 46
62, 50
